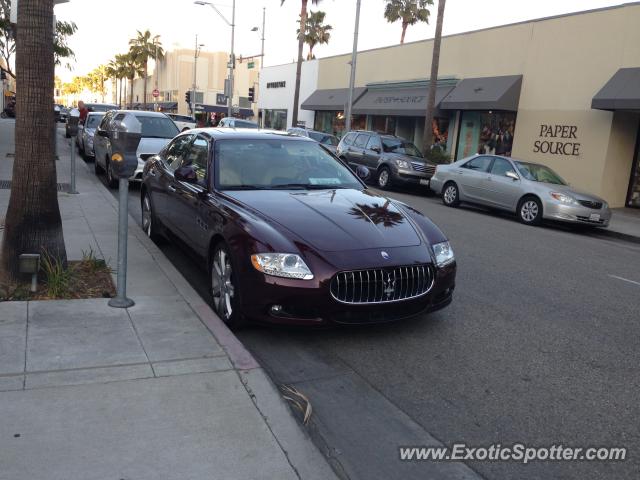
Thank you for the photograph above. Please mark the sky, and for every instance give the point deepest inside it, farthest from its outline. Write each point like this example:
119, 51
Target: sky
105, 27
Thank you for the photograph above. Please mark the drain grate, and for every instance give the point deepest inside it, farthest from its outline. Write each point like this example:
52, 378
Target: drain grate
61, 187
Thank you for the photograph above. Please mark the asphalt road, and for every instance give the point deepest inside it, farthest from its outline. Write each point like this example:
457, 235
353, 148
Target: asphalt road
540, 346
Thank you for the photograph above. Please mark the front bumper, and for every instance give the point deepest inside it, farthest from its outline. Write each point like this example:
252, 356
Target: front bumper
577, 214
311, 304
137, 175
401, 175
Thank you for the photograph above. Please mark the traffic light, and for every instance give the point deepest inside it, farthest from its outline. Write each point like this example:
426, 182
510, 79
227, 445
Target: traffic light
187, 97
252, 92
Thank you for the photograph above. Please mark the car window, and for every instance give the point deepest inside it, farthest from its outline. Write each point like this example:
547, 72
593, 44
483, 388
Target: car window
398, 145
501, 167
348, 139
157, 127
481, 164
539, 173
105, 121
361, 140
270, 164
374, 142
119, 117
197, 156
243, 124
176, 150
94, 120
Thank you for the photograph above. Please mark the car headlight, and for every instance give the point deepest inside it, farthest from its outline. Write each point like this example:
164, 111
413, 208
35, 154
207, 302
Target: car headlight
402, 163
287, 265
444, 253
563, 198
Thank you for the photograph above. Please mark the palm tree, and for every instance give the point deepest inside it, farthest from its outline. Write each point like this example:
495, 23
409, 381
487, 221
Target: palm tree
113, 73
121, 70
316, 33
409, 11
296, 93
33, 223
144, 46
131, 68
427, 138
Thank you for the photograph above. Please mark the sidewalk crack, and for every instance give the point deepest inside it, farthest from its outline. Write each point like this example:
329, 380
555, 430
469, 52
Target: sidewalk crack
140, 342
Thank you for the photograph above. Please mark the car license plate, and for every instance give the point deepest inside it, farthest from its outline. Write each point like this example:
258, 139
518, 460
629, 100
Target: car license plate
424, 181
594, 217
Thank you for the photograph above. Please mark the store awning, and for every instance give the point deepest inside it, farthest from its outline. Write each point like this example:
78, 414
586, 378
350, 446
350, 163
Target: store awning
332, 99
168, 105
621, 92
409, 102
485, 93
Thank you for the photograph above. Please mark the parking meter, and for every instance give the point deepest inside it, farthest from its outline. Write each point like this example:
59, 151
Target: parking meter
72, 122
125, 136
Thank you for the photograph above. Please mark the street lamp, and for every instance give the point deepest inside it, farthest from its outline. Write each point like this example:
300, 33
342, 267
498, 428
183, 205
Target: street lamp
155, 43
196, 54
261, 32
232, 60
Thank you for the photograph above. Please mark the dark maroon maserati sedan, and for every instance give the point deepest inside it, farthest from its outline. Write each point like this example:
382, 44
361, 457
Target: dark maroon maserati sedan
290, 235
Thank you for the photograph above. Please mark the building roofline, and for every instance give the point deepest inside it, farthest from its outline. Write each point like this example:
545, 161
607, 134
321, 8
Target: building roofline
523, 22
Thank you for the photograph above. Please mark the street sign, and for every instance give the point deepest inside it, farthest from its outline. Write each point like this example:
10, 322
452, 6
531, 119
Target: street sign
251, 64
221, 99
155, 93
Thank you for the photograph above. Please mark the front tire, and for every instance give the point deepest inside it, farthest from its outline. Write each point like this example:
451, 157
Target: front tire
530, 211
149, 222
451, 195
384, 178
224, 287
112, 181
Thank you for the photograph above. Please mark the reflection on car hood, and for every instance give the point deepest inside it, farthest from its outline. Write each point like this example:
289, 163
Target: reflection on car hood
152, 145
334, 220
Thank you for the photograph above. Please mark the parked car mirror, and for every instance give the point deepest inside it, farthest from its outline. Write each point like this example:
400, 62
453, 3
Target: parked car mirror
376, 149
186, 174
103, 133
512, 175
363, 172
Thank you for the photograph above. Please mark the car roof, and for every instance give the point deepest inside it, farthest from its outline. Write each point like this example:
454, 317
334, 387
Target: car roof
144, 113
247, 134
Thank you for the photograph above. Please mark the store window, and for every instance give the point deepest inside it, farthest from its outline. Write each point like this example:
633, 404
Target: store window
333, 122
486, 133
275, 119
383, 124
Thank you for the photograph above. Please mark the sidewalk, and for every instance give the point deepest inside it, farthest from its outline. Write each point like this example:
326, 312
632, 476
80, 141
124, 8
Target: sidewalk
162, 390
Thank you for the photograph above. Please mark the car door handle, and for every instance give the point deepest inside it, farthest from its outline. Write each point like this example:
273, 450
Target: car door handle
171, 188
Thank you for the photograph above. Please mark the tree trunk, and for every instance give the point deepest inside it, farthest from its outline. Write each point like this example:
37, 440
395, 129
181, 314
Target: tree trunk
404, 31
144, 96
296, 94
427, 139
131, 92
120, 96
33, 223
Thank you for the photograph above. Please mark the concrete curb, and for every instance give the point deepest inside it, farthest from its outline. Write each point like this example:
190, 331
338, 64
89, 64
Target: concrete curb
617, 235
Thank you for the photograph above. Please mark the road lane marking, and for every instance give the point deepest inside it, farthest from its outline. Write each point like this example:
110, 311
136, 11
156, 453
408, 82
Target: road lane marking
625, 279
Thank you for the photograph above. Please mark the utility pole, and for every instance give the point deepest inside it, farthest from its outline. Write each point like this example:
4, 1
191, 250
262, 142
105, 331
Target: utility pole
264, 9
195, 70
232, 63
352, 79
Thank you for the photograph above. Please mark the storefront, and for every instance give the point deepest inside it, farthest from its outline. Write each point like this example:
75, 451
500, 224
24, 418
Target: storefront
329, 106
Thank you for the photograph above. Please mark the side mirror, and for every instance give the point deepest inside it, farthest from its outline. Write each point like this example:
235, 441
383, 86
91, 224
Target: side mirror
186, 174
512, 175
103, 133
376, 149
363, 172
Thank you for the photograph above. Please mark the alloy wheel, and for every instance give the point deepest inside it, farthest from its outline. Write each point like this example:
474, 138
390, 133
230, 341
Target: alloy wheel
450, 194
529, 211
383, 178
147, 219
222, 287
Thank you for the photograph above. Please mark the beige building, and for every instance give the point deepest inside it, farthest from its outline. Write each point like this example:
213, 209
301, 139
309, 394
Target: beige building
174, 75
563, 91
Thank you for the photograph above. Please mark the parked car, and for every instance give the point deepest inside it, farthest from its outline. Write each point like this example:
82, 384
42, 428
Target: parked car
183, 122
532, 191
394, 160
92, 107
64, 114
290, 235
86, 134
232, 122
157, 131
329, 141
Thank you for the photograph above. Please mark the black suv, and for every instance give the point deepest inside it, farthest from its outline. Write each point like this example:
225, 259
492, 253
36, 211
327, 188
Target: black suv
393, 160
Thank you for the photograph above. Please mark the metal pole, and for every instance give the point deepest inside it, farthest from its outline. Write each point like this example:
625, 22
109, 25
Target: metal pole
262, 51
72, 188
193, 90
232, 62
121, 300
352, 80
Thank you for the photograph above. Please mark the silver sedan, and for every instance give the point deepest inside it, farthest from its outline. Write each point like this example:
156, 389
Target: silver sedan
533, 191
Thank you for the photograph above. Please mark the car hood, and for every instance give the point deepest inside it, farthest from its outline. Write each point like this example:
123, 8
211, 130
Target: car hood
334, 220
406, 158
152, 145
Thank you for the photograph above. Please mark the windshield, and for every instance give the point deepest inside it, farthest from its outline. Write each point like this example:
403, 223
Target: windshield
278, 164
93, 121
324, 138
157, 127
397, 145
539, 173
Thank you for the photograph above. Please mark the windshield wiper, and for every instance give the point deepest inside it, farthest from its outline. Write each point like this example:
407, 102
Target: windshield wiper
305, 186
244, 187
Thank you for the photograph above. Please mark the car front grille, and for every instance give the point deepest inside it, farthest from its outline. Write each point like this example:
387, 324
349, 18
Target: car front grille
588, 220
382, 285
588, 204
424, 168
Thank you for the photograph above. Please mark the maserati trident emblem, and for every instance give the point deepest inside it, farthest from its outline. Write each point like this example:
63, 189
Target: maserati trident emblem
385, 255
389, 285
